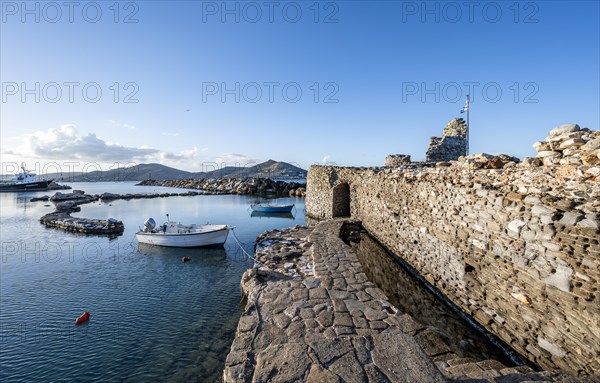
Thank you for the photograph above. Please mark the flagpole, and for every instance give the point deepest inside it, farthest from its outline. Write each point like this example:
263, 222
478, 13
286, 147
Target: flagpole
468, 126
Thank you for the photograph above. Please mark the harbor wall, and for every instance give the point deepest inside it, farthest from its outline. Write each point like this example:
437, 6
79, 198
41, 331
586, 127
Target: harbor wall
516, 248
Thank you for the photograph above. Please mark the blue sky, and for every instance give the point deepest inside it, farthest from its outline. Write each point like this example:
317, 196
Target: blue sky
194, 83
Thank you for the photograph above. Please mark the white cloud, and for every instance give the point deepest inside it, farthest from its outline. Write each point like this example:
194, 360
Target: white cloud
65, 143
170, 134
181, 156
235, 159
120, 125
326, 159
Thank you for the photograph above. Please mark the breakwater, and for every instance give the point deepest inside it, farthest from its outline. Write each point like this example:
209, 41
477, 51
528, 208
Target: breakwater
67, 203
515, 245
313, 315
242, 186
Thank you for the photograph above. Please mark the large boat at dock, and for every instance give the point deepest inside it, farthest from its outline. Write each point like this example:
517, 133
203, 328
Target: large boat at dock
24, 181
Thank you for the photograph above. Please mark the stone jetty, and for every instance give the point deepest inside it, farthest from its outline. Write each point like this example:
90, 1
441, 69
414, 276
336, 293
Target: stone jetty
64, 221
241, 186
312, 315
68, 203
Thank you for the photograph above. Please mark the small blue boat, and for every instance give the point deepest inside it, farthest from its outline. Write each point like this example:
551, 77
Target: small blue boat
271, 208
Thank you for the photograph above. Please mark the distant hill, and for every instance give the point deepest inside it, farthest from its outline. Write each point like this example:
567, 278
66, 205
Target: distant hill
268, 169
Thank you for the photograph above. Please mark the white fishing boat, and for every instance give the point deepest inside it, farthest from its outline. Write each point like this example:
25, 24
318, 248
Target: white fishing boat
174, 234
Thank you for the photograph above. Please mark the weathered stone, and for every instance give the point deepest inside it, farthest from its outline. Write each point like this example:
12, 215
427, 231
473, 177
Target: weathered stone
282, 363
516, 197
551, 348
389, 351
548, 153
561, 279
589, 223
592, 145
571, 218
311, 283
325, 318
514, 227
538, 210
591, 158
565, 128
572, 142
318, 374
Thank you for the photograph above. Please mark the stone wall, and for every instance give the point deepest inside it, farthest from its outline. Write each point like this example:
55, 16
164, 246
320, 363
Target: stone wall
516, 248
396, 160
451, 145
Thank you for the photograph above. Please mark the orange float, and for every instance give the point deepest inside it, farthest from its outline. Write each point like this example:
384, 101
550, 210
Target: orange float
82, 318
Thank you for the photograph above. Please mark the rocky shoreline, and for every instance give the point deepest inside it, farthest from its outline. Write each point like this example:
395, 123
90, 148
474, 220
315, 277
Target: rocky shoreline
312, 315
241, 186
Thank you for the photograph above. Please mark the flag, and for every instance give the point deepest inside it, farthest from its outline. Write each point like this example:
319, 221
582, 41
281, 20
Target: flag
466, 107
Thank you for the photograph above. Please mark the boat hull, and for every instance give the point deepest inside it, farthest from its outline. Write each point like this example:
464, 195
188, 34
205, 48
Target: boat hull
216, 237
272, 208
30, 186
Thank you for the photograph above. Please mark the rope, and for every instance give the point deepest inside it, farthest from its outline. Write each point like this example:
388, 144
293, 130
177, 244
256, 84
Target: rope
244, 251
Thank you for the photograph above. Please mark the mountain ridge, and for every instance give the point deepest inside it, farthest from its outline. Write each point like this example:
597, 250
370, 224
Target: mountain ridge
155, 171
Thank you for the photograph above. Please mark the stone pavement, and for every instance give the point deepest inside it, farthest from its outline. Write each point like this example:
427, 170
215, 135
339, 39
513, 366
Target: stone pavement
313, 316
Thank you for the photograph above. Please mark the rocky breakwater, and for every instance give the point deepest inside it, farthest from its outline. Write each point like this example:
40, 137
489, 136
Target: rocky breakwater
242, 186
56, 186
68, 203
312, 315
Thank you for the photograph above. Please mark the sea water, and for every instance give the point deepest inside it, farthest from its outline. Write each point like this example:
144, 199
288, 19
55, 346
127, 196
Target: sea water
153, 317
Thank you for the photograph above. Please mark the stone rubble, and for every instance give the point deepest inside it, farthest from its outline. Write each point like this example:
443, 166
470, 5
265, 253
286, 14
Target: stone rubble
575, 152
241, 186
313, 316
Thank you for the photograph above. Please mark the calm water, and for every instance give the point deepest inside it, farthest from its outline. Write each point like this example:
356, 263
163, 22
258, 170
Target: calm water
153, 318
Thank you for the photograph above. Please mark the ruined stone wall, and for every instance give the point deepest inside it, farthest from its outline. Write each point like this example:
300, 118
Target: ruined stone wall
517, 248
395, 160
451, 145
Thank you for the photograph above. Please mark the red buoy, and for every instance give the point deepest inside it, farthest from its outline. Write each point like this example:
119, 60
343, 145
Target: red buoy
186, 259
82, 318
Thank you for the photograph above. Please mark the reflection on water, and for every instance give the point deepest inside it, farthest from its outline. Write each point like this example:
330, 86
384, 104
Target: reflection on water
203, 255
411, 296
153, 317
263, 214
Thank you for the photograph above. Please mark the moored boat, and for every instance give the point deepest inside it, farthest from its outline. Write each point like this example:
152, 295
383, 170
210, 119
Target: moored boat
271, 208
173, 234
24, 181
